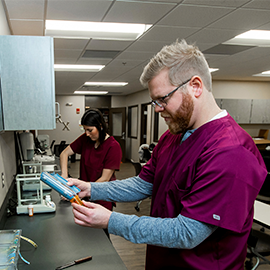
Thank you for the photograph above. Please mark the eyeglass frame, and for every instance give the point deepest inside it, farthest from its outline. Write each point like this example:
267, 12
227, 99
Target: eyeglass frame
155, 102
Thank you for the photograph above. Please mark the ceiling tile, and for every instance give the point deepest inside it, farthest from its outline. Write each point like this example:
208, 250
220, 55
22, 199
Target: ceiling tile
65, 61
137, 12
69, 54
264, 27
72, 44
129, 55
133, 75
106, 76
213, 35
108, 45
222, 3
93, 61
193, 16
111, 73
26, 9
258, 4
107, 54
28, 28
168, 34
78, 10
243, 19
79, 77
151, 1
147, 46
226, 49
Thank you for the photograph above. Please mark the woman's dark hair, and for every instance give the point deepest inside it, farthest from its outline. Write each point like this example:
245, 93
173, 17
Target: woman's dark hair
94, 118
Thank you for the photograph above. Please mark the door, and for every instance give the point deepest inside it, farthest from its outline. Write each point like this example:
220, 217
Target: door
117, 127
146, 123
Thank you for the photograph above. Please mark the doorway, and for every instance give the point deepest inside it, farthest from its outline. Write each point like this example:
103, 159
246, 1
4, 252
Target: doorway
149, 124
117, 127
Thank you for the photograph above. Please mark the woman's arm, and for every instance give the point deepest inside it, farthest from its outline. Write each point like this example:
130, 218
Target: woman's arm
106, 175
64, 161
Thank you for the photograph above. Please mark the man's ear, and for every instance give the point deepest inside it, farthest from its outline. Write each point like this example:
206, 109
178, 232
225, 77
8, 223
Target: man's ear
197, 86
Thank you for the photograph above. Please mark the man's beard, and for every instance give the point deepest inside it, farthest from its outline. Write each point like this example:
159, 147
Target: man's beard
181, 119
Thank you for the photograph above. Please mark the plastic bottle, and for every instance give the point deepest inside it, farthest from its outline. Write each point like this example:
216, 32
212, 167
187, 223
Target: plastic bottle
30, 210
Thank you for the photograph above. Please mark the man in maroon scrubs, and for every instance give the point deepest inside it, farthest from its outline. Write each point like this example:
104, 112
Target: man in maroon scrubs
204, 174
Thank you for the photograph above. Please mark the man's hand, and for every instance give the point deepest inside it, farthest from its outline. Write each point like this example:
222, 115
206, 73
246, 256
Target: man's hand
85, 187
91, 215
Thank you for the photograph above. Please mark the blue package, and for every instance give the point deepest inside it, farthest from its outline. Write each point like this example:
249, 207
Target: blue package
64, 181
59, 184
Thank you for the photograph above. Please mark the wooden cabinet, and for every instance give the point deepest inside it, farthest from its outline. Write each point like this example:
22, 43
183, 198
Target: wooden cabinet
27, 83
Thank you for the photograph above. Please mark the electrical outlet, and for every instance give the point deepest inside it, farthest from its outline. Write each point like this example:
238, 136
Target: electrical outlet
3, 180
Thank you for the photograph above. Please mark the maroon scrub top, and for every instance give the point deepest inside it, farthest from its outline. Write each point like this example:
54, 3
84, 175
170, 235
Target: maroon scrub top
107, 155
214, 177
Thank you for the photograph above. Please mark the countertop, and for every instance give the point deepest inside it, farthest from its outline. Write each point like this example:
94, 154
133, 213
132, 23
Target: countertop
60, 241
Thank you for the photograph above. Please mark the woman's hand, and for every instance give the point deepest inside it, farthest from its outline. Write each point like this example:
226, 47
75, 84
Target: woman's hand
85, 187
91, 215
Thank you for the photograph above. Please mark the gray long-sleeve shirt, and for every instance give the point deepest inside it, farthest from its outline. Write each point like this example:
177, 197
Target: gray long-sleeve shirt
179, 232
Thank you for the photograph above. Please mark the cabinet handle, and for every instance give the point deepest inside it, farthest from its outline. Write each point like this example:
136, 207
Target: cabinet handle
57, 116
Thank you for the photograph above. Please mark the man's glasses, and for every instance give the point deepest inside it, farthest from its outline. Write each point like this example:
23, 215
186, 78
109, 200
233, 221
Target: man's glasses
161, 101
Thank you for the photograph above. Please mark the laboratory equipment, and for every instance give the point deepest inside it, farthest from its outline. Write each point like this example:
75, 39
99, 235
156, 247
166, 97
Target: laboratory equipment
27, 145
33, 167
34, 197
44, 141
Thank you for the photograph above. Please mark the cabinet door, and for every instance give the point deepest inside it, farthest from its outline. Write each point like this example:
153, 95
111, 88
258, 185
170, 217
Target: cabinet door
239, 109
260, 111
27, 82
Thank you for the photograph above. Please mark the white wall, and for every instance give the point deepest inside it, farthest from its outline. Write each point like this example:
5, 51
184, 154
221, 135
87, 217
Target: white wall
4, 29
241, 90
68, 114
7, 142
7, 162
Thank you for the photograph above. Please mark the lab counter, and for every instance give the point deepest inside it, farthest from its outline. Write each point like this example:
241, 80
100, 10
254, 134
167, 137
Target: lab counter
261, 143
61, 241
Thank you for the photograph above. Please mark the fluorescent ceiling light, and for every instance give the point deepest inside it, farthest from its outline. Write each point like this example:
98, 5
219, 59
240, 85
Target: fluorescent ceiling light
213, 69
263, 74
110, 84
95, 30
259, 38
91, 92
81, 68
255, 34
